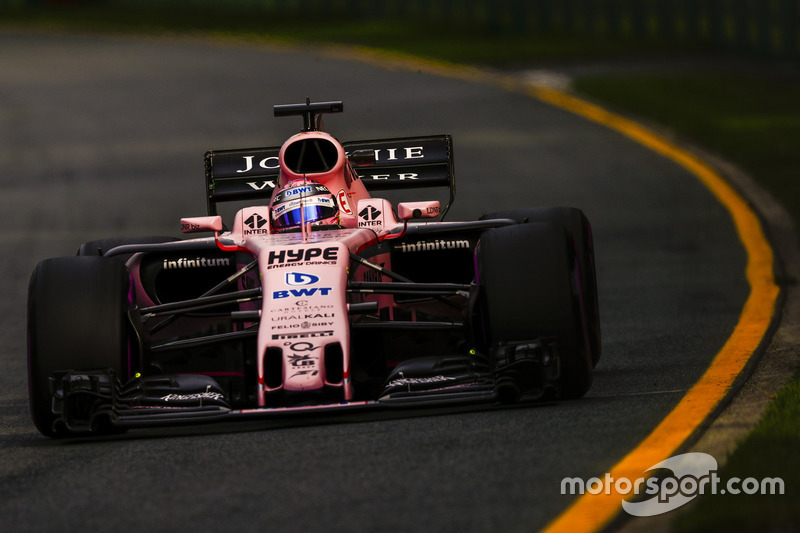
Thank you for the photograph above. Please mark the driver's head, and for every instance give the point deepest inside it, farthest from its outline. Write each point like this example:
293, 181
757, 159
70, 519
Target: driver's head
303, 201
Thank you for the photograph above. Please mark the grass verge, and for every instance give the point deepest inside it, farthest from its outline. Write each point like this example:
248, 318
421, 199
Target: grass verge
769, 451
752, 119
458, 42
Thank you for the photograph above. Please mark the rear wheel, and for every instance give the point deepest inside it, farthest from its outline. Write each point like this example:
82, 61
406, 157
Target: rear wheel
528, 290
77, 320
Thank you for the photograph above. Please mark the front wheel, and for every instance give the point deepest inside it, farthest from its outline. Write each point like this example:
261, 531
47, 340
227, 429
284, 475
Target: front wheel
77, 320
580, 241
528, 290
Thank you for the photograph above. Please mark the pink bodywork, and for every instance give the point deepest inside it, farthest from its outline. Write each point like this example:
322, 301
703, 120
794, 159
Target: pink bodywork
304, 274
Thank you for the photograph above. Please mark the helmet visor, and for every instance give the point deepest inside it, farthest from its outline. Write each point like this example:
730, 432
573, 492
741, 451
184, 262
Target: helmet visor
295, 212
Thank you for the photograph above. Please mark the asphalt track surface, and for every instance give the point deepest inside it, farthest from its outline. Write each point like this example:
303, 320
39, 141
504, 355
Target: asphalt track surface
104, 136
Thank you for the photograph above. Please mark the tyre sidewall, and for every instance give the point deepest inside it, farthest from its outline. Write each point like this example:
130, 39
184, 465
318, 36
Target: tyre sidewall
528, 290
77, 320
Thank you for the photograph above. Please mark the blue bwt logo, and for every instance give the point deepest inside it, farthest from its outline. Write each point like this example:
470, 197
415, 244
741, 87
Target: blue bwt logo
299, 293
296, 279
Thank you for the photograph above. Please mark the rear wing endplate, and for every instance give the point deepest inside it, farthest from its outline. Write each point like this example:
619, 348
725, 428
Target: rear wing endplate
402, 163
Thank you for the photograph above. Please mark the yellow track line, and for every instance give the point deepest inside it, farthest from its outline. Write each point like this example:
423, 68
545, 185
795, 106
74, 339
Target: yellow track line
593, 512
589, 512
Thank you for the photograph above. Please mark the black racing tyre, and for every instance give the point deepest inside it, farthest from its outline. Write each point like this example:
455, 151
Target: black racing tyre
579, 231
527, 291
77, 320
99, 247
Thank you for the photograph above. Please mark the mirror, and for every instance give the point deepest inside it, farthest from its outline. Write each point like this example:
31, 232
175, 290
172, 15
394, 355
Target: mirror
409, 210
196, 224
362, 158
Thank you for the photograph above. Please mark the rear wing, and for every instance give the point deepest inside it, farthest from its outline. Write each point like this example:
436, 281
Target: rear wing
402, 163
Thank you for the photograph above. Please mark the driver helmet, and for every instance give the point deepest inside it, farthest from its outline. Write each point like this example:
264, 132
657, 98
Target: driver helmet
303, 201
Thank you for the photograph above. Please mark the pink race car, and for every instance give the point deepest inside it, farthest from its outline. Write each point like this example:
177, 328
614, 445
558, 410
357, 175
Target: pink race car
317, 296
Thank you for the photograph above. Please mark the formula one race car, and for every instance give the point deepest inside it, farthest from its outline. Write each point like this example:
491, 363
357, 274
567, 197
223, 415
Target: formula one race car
318, 296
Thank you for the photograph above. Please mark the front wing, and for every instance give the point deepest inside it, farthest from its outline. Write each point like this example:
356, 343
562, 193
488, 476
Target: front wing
87, 401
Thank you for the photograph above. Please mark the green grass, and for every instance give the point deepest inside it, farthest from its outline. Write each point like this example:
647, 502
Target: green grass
753, 120
462, 43
769, 451
751, 117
